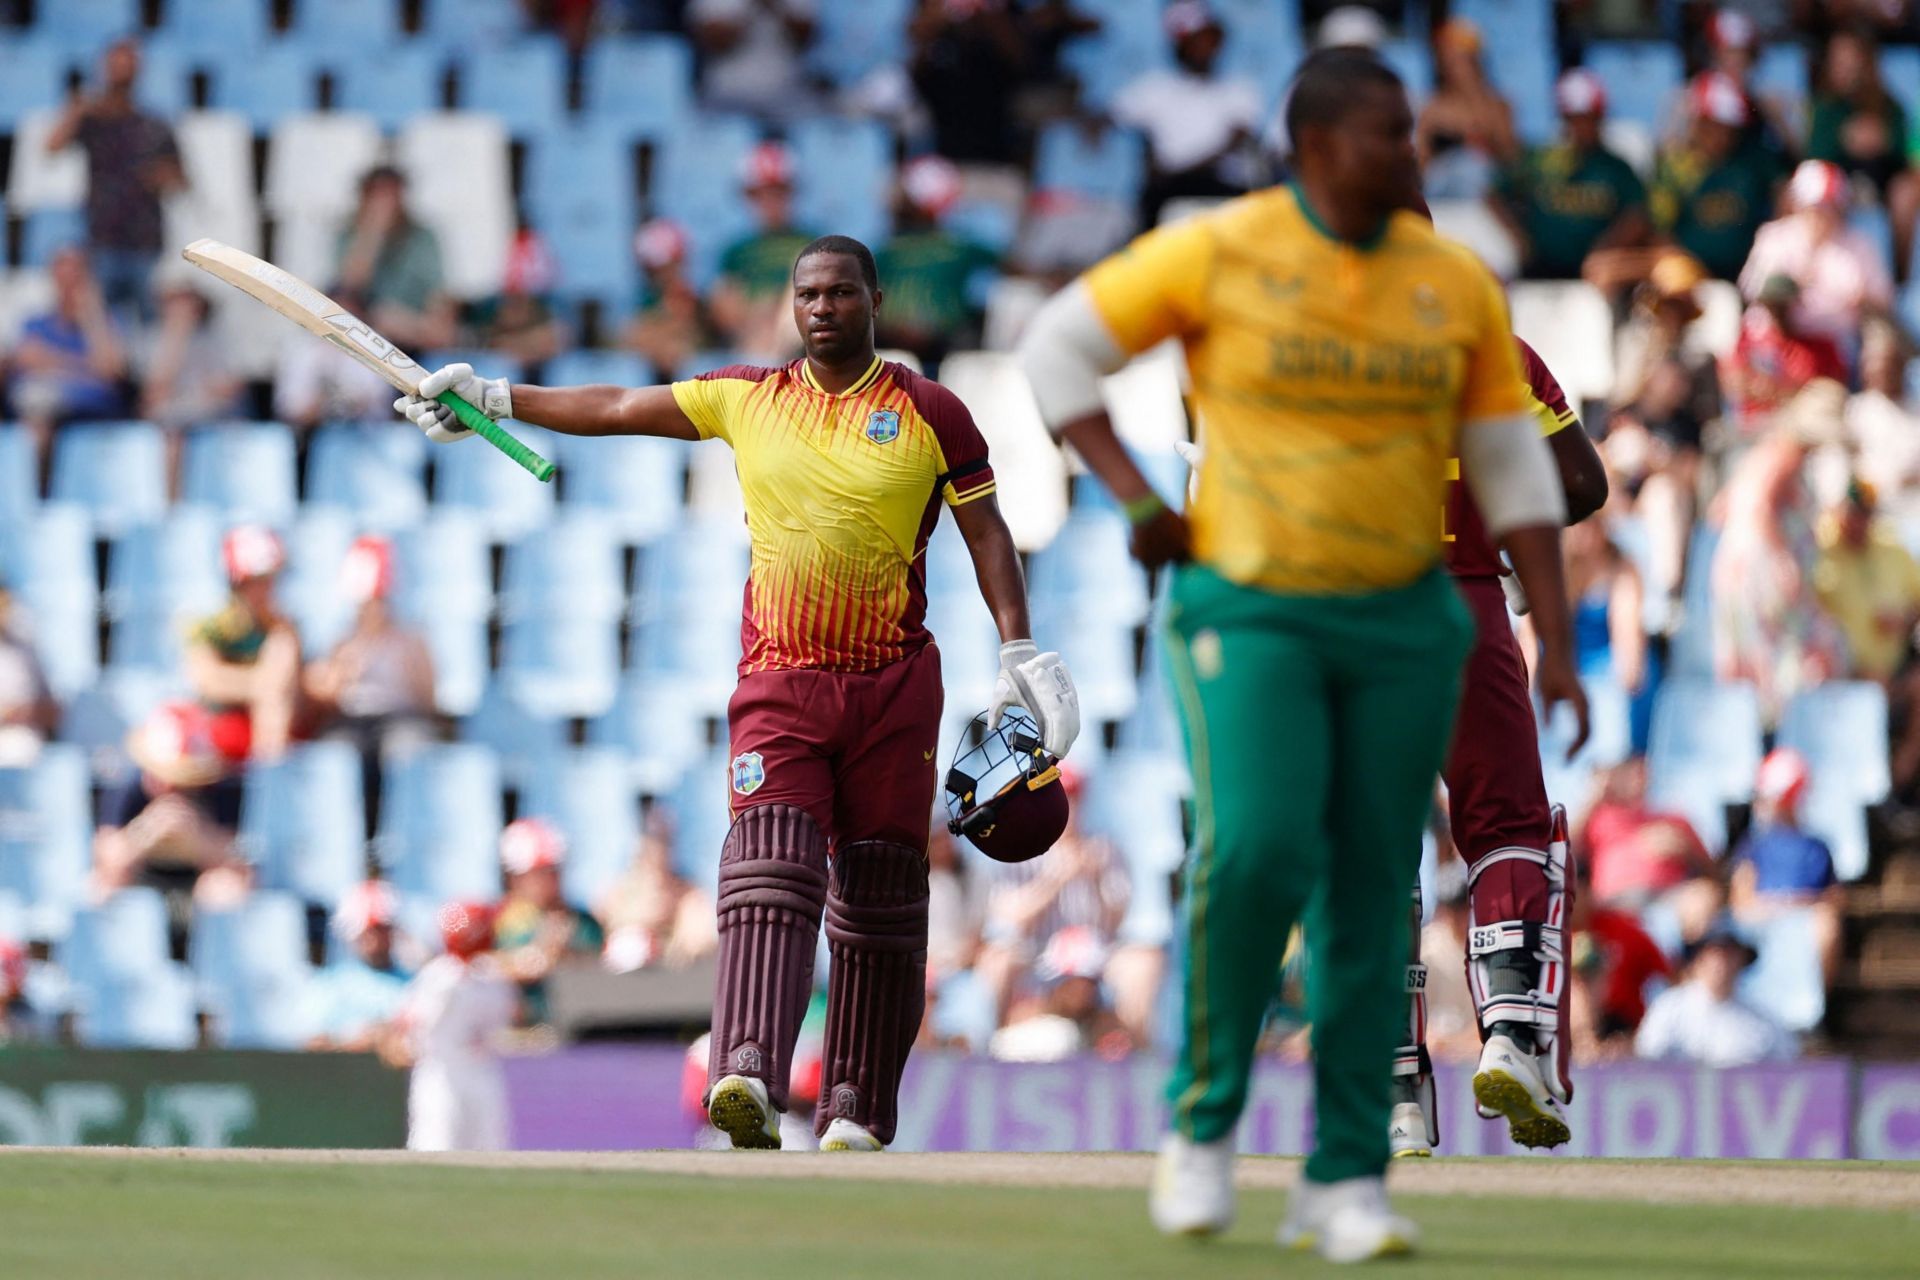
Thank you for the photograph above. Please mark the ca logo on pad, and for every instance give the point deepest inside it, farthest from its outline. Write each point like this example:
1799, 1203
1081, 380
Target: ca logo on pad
883, 426
749, 771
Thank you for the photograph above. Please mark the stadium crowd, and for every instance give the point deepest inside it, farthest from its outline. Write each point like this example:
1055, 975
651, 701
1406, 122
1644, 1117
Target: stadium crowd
277, 652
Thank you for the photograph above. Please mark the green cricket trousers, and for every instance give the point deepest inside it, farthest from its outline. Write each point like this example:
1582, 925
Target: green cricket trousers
1315, 726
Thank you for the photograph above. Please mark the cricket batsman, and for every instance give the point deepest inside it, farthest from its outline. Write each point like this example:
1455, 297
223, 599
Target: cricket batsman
1341, 352
845, 461
1514, 846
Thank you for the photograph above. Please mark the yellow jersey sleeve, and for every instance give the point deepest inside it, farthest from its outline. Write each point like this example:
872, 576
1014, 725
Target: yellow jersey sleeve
709, 401
1495, 387
1153, 289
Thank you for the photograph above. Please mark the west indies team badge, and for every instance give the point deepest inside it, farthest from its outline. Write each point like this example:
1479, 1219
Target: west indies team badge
748, 772
883, 426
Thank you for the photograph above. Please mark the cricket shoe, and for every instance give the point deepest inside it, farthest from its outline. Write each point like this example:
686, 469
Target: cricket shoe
1346, 1221
1192, 1187
844, 1135
1407, 1132
1508, 1083
737, 1106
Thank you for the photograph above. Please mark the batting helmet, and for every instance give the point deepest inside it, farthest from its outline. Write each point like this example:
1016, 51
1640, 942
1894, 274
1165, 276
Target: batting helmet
466, 928
1004, 793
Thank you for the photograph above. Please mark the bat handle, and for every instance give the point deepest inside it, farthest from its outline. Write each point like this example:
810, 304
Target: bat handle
497, 436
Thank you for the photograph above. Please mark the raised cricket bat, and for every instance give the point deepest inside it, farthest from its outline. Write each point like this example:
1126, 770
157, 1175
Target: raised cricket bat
318, 314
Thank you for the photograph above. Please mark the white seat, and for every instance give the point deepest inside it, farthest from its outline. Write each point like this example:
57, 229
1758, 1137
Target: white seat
1474, 225
216, 149
41, 180
1145, 401
1571, 327
460, 184
1030, 468
23, 294
315, 163
1718, 328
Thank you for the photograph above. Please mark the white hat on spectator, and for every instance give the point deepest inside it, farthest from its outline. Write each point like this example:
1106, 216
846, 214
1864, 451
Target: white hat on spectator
660, 243
1732, 29
252, 551
1580, 93
1819, 184
367, 571
1351, 26
1718, 97
529, 844
769, 164
931, 183
367, 905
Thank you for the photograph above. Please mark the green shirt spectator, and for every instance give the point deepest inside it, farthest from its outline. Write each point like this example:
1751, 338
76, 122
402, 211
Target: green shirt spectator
1856, 123
762, 264
931, 280
1714, 210
1565, 199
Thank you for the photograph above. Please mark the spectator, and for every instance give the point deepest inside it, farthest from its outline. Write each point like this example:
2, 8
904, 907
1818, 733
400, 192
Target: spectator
1065, 231
20, 1022
1769, 628
1618, 960
958, 47
1857, 125
1465, 132
1710, 193
132, 163
519, 320
1702, 1021
70, 362
28, 713
752, 55
1066, 1017
958, 908
1669, 389
1642, 857
457, 1009
1733, 49
1780, 868
934, 278
391, 266
172, 825
1870, 583
1569, 200
1881, 421
375, 689
244, 661
1610, 640
190, 380
361, 991
653, 916
752, 299
538, 930
671, 324
1198, 121
1842, 275
1774, 359
315, 382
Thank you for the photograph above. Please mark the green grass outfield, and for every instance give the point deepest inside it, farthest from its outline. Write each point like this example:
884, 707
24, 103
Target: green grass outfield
142, 1218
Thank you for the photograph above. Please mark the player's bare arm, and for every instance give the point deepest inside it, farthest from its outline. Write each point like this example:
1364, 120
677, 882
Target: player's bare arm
603, 411
1582, 475
997, 566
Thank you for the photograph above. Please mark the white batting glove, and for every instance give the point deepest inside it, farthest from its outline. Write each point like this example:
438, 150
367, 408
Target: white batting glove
1039, 684
491, 396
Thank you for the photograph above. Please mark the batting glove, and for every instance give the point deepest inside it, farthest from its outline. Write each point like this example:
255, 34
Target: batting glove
1039, 684
491, 396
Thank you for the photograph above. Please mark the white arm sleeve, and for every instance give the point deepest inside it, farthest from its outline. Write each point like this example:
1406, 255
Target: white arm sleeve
1065, 352
1509, 468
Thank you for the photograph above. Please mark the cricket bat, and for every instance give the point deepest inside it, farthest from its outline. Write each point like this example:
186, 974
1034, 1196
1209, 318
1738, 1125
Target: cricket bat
318, 314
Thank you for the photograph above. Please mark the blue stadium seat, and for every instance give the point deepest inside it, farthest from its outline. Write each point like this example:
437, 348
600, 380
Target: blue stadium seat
46, 558
302, 821
581, 194
440, 824
1786, 982
585, 365
1782, 73
521, 739
696, 182
46, 833
1900, 72
278, 80
701, 817
1130, 42
1263, 45
443, 569
590, 795
524, 83
700, 654
14, 926
562, 666
116, 470
1871, 221
1642, 78
215, 26
166, 79
487, 483
377, 472
243, 470
656, 728
127, 993
253, 974
1691, 653
1109, 166
1099, 652
569, 569
643, 82
32, 78
698, 569
1136, 802
346, 26
48, 231
1841, 728
845, 177
310, 589
1087, 570
87, 23
1703, 752
401, 83
460, 661
1610, 740
160, 578
1153, 730
1413, 60
857, 37
637, 484
463, 23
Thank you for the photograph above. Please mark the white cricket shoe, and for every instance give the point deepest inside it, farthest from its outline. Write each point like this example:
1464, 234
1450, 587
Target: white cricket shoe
1192, 1187
844, 1135
1407, 1132
1347, 1221
1508, 1083
737, 1106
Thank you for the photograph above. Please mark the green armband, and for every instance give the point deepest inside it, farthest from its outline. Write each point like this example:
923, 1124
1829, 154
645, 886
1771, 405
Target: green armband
1142, 509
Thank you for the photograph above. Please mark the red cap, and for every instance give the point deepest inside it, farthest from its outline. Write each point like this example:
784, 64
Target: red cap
769, 164
932, 183
1186, 17
1580, 93
13, 965
1784, 777
529, 844
1819, 184
530, 265
252, 551
466, 928
1718, 97
660, 243
368, 904
367, 572
176, 744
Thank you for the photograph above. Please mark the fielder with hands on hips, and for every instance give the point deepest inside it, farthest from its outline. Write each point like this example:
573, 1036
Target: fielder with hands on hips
844, 462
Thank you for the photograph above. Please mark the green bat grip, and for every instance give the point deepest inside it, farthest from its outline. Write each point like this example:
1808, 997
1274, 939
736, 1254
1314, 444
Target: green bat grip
491, 431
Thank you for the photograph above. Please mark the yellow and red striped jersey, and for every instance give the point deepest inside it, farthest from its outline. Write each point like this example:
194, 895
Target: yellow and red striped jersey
842, 492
